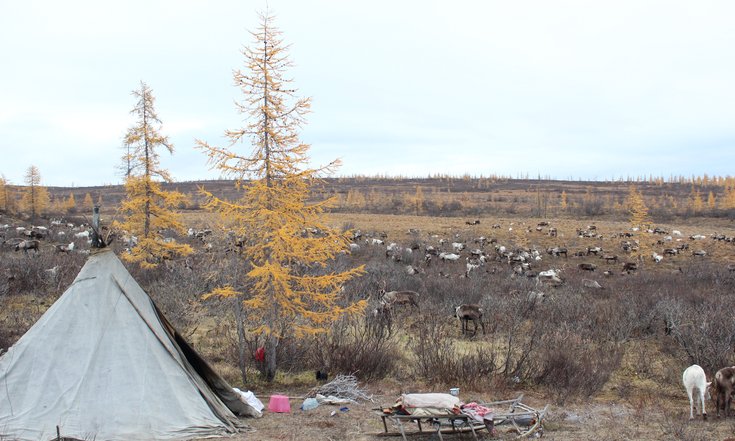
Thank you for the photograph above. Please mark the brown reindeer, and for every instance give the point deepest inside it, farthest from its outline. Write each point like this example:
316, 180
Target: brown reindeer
610, 258
723, 387
465, 313
629, 267
380, 320
392, 298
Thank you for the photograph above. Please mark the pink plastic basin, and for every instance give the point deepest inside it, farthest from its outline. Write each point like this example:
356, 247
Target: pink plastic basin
279, 403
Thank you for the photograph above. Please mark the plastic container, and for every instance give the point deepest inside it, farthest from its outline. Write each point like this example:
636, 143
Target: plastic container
454, 391
310, 403
279, 404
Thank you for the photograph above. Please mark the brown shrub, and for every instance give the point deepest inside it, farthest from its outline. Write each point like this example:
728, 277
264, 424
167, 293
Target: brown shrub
571, 365
351, 348
441, 361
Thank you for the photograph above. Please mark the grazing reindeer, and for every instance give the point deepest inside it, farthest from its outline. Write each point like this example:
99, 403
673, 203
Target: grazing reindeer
381, 320
694, 379
64, 248
392, 298
629, 267
610, 258
465, 313
26, 245
723, 387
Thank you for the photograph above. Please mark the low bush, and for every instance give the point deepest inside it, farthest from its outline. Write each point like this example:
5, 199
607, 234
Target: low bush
573, 366
352, 348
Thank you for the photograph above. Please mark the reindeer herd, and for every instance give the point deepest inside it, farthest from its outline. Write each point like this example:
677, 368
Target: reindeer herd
53, 237
597, 253
388, 301
466, 255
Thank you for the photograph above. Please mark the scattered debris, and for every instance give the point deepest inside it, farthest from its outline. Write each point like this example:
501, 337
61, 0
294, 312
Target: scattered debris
343, 387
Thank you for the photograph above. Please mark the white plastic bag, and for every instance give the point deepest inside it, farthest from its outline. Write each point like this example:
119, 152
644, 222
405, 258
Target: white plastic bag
250, 398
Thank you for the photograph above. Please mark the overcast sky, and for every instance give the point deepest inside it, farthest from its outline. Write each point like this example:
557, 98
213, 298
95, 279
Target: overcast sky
565, 89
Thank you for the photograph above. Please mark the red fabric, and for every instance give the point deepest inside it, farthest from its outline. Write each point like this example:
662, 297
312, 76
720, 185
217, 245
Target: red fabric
260, 354
477, 409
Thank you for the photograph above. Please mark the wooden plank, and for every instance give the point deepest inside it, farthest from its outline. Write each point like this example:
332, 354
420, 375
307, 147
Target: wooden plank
445, 431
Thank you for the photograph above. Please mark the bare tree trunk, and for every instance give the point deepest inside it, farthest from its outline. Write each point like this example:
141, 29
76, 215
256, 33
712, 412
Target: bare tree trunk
241, 343
271, 345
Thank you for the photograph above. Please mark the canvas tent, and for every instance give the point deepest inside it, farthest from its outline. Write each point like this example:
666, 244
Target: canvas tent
103, 363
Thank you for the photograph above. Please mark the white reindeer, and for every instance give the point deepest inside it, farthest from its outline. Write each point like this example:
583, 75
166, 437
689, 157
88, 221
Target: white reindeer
694, 378
449, 257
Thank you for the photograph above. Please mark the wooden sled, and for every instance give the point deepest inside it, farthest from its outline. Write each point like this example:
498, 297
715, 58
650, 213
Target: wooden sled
523, 419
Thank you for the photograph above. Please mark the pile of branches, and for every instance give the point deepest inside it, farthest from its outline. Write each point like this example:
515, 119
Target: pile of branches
343, 386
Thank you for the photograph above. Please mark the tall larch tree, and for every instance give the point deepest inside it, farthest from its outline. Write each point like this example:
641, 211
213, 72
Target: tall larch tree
637, 209
87, 203
147, 208
639, 218
711, 201
71, 204
418, 200
695, 202
8, 202
288, 287
727, 202
4, 194
35, 199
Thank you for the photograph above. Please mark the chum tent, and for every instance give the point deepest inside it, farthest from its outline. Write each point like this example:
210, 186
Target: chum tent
103, 363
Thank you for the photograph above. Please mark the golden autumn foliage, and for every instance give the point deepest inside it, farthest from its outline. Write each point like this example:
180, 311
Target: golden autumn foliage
711, 201
87, 203
695, 202
418, 200
4, 195
70, 205
727, 202
287, 285
147, 208
637, 209
35, 200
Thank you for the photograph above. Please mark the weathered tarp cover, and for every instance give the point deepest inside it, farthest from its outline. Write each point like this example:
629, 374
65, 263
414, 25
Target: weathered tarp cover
102, 363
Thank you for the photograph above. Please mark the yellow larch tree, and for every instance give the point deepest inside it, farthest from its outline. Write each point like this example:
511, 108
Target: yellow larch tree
287, 286
637, 209
711, 201
564, 203
35, 199
639, 218
355, 199
147, 208
70, 205
8, 202
87, 203
57, 205
4, 196
727, 201
695, 202
418, 200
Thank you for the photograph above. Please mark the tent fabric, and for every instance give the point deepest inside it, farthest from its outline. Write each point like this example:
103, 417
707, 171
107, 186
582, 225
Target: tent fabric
103, 363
